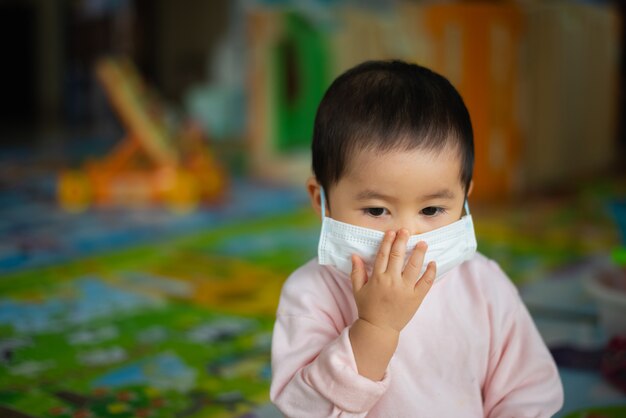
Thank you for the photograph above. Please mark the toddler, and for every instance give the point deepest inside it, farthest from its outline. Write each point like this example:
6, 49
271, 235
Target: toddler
398, 316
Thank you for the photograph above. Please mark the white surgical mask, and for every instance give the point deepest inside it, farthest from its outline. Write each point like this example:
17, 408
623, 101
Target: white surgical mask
448, 246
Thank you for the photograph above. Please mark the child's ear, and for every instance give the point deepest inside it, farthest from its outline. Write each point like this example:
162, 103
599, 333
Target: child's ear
470, 188
313, 188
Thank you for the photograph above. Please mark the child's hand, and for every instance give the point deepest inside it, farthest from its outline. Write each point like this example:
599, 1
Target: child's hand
390, 298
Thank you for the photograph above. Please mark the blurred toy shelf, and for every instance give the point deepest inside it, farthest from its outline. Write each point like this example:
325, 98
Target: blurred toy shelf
524, 71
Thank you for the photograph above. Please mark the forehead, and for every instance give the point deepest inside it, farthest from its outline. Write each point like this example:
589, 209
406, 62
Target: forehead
417, 169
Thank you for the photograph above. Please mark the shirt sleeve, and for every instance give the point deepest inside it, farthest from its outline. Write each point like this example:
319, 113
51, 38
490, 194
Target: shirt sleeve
522, 378
314, 372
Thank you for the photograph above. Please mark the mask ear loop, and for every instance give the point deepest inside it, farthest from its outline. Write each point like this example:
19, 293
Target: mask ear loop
323, 202
466, 206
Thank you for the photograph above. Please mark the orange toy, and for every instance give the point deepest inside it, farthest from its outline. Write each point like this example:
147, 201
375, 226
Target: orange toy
150, 165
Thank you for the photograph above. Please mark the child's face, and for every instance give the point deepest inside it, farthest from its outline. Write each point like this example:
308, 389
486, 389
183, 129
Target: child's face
416, 190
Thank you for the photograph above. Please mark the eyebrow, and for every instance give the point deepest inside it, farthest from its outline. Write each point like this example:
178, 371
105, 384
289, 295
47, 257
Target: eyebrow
368, 194
440, 194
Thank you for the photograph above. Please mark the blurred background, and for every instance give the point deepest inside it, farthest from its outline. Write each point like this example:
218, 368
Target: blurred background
152, 164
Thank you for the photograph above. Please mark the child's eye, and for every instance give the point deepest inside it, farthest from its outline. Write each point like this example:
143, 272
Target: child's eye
432, 211
375, 212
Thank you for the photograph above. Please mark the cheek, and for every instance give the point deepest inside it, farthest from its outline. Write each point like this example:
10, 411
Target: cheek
342, 215
382, 224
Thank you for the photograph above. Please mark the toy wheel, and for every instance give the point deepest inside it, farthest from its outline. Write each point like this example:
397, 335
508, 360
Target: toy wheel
184, 194
74, 191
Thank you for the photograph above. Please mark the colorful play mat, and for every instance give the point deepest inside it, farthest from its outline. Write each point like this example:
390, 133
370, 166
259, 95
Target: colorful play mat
147, 313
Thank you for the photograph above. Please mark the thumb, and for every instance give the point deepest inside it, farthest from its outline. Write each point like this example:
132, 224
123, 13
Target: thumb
358, 275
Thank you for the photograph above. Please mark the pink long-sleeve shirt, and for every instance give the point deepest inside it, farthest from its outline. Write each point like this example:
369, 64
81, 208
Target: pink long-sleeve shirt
471, 350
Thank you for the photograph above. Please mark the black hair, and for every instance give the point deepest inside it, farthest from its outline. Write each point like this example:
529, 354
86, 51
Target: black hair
386, 105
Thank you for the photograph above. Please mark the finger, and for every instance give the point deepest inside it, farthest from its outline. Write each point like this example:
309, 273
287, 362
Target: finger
358, 276
414, 265
425, 282
398, 250
382, 257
